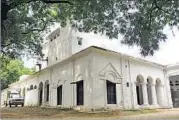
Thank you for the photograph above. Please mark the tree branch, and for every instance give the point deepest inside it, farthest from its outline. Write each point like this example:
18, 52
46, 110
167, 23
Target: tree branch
38, 29
160, 7
57, 1
6, 7
154, 8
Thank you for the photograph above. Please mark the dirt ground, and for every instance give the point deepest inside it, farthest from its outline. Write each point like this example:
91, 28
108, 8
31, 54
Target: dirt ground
40, 113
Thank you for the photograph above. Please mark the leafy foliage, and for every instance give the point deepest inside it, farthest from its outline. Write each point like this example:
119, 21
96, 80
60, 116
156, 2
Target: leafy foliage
140, 22
11, 70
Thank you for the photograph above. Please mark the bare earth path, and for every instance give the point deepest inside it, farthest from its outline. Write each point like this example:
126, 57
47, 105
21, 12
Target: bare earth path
166, 114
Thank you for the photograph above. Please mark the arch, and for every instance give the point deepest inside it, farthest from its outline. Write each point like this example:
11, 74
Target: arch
158, 81
46, 91
149, 89
140, 79
139, 93
110, 76
109, 68
60, 82
78, 77
159, 93
176, 82
35, 87
31, 87
171, 84
40, 92
149, 80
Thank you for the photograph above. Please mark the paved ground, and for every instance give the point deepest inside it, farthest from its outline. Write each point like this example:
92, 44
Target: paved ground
167, 114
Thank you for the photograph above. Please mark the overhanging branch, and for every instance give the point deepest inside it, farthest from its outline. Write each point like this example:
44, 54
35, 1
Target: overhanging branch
38, 29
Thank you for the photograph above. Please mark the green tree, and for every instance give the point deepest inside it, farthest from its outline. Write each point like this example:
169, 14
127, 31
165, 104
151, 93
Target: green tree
140, 22
11, 70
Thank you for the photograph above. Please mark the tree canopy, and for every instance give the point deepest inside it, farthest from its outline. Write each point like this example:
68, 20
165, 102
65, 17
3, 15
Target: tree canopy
11, 70
140, 22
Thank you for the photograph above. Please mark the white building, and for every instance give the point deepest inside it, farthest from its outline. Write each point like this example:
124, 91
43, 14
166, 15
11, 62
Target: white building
173, 74
94, 78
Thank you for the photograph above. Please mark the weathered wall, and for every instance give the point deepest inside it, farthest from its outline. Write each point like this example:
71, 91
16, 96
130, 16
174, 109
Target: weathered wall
153, 72
105, 68
60, 47
95, 66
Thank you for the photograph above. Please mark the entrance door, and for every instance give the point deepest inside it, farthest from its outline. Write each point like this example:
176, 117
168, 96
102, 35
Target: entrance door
111, 92
40, 93
139, 94
79, 91
138, 97
59, 95
40, 97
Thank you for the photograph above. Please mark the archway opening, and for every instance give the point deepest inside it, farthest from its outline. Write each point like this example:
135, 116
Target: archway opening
40, 93
149, 90
139, 82
31, 87
47, 85
59, 95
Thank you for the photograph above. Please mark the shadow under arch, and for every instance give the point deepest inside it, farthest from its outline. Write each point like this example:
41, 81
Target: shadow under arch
139, 89
40, 92
46, 91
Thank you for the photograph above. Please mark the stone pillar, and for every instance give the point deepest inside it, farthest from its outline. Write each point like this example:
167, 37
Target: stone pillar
144, 92
162, 99
154, 97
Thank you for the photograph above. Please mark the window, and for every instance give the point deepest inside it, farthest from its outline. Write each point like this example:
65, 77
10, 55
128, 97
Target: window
31, 87
79, 91
111, 92
171, 83
176, 83
59, 95
79, 40
35, 87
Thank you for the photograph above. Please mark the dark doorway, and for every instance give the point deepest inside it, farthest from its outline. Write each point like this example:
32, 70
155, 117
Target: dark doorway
111, 92
40, 93
139, 94
40, 100
138, 97
47, 99
59, 95
46, 95
80, 94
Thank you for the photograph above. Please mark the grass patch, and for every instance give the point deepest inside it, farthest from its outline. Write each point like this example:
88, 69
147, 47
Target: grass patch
41, 112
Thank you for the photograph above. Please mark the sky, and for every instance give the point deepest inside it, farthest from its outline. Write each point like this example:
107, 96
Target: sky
166, 55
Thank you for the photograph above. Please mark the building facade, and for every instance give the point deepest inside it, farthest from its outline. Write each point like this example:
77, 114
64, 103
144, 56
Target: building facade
93, 78
173, 74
